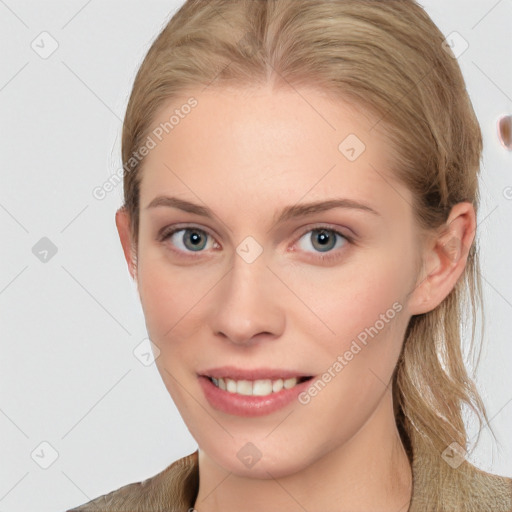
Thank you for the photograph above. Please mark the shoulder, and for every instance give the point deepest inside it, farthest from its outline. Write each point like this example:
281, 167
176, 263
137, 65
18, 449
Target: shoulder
487, 488
172, 490
459, 488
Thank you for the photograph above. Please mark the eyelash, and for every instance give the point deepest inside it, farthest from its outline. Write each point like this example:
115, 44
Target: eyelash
331, 255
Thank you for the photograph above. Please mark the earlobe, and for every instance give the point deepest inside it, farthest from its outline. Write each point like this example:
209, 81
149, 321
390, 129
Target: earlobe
123, 225
444, 259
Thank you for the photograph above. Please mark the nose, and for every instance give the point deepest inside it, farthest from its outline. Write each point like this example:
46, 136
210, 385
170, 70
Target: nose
247, 307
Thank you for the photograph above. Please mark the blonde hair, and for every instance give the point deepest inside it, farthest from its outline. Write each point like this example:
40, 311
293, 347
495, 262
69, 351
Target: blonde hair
388, 57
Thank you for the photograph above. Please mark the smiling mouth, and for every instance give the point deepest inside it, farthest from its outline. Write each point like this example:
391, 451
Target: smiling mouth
260, 387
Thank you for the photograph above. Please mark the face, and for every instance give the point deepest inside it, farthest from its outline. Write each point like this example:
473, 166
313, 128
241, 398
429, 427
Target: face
249, 284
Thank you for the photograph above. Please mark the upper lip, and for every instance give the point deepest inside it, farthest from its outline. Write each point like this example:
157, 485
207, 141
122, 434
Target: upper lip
251, 374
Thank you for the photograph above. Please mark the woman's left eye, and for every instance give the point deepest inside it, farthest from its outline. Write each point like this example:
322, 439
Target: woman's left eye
322, 240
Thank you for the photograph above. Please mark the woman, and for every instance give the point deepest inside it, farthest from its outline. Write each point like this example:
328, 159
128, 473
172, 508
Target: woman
301, 189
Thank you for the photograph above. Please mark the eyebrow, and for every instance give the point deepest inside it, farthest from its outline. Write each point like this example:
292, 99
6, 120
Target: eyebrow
288, 213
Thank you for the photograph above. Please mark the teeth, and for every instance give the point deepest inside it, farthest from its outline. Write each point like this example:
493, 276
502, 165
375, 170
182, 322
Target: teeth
254, 388
244, 387
289, 383
262, 387
230, 385
277, 385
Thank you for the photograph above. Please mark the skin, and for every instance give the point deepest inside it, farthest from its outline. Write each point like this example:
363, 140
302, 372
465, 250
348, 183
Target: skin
246, 154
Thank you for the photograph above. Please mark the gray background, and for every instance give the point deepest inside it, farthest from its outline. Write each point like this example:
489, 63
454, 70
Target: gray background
73, 374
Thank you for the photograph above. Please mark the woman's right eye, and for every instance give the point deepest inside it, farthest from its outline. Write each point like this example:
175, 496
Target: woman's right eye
188, 239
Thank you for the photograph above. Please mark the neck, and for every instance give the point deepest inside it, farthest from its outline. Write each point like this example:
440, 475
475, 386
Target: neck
371, 471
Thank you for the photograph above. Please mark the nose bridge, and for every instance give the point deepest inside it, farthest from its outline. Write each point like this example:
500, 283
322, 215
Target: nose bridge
247, 305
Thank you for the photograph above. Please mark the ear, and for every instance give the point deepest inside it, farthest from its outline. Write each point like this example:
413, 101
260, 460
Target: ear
125, 235
444, 259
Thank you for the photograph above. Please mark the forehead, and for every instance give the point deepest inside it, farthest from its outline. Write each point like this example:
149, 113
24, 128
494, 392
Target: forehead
251, 148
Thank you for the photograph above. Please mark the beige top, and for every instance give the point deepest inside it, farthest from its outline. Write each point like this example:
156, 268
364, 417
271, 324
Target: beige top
175, 490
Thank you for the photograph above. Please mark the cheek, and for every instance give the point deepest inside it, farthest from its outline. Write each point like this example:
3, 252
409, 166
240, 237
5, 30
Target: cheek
170, 296
366, 311
362, 304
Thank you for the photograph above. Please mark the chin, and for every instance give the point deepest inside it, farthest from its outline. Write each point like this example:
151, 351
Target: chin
257, 460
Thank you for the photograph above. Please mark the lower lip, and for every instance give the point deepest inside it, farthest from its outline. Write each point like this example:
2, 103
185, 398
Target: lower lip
248, 406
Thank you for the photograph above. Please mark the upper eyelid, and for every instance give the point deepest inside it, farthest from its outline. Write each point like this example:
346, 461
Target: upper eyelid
168, 230
327, 227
